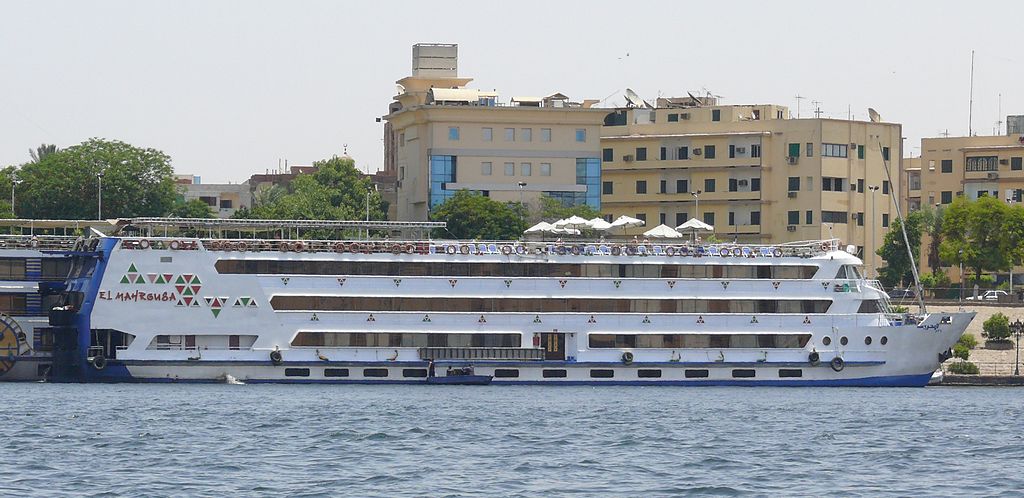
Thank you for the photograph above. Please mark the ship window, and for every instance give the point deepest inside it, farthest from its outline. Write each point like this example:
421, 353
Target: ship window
375, 372
414, 372
405, 340
602, 373
12, 269
697, 341
743, 372
791, 372
646, 373
335, 372
826, 340
869, 306
53, 268
551, 373
843, 340
506, 373
867, 340
296, 372
695, 374
884, 340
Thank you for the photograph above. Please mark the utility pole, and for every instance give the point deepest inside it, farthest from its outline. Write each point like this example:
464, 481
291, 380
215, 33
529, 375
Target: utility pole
99, 195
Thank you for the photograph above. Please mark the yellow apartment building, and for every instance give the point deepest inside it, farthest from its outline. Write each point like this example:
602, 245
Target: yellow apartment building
972, 166
442, 137
756, 174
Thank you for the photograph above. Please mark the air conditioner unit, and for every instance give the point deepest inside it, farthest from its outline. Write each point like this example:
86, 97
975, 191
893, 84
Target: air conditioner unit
993, 176
791, 228
741, 150
697, 151
791, 194
853, 145
1004, 161
684, 116
792, 159
627, 158
743, 183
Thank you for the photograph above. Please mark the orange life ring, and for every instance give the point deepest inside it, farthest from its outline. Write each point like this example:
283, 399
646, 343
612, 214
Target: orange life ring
298, 246
143, 244
175, 245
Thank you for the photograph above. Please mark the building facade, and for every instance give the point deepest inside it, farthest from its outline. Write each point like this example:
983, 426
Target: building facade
757, 175
442, 137
223, 198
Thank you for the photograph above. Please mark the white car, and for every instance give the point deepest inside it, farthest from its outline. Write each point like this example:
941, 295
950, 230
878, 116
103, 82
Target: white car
992, 295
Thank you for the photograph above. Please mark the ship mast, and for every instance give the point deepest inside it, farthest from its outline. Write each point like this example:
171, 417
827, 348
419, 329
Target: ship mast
903, 228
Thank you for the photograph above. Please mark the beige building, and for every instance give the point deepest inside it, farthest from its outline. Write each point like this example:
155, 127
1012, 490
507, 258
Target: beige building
972, 166
442, 137
223, 198
758, 175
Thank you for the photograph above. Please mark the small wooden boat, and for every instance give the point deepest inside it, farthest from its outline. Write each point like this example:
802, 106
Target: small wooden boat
461, 380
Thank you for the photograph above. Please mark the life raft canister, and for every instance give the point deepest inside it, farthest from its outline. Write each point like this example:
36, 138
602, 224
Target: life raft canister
627, 357
814, 358
837, 364
275, 357
99, 362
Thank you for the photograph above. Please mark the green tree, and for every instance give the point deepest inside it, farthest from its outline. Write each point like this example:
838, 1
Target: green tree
64, 184
337, 191
42, 151
897, 268
997, 327
973, 234
1013, 236
932, 225
552, 209
472, 216
194, 208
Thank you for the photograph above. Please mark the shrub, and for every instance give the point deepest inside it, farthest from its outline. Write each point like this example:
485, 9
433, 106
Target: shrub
900, 309
935, 279
997, 327
963, 368
986, 281
961, 351
969, 341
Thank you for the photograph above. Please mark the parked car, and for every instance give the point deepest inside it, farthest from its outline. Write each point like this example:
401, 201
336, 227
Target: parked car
992, 295
901, 294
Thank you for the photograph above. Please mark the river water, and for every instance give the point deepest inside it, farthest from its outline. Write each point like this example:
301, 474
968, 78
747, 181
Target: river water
259, 440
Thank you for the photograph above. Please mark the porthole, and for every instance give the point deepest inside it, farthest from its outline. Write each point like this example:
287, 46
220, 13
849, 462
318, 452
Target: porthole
826, 340
506, 373
885, 340
843, 340
867, 340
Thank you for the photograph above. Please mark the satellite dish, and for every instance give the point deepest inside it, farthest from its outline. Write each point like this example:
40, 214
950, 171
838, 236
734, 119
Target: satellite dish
695, 100
874, 115
634, 100
400, 89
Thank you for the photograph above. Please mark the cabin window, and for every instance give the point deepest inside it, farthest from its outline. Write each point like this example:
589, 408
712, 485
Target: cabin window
695, 374
647, 373
296, 372
553, 373
869, 306
405, 340
790, 372
743, 373
414, 372
602, 373
506, 373
335, 372
375, 372
696, 341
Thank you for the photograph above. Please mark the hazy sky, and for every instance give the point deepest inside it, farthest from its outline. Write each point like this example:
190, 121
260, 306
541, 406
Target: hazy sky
228, 88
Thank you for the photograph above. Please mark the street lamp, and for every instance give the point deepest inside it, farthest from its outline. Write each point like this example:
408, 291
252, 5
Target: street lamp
1018, 330
871, 224
14, 182
99, 195
522, 209
368, 211
696, 206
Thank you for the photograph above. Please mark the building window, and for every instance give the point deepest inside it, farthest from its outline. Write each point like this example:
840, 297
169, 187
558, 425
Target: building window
664, 187
545, 134
606, 188
833, 216
607, 155
709, 152
860, 185
716, 115
209, 200
810, 149
809, 217
947, 165
829, 184
946, 197
682, 186
545, 169
442, 172
510, 134
487, 134
793, 218
885, 219
684, 152
510, 169
860, 219
794, 150
755, 217
225, 203
581, 135
526, 134
755, 150
733, 185
661, 218
1015, 163
732, 151
485, 169
709, 184
885, 153
885, 187
860, 152
834, 150
672, 118
681, 218
526, 169
709, 218
641, 186
982, 163
453, 133
641, 216
755, 184
794, 184
664, 153
641, 153
732, 218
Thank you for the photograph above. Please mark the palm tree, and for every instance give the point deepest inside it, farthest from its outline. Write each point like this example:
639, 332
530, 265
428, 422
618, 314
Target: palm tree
42, 151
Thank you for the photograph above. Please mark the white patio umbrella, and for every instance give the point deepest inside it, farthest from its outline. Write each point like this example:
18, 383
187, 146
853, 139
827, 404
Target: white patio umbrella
693, 224
626, 222
663, 232
566, 231
599, 224
540, 228
573, 222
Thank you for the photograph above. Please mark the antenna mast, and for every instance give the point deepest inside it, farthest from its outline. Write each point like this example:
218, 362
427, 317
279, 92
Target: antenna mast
798, 99
970, 107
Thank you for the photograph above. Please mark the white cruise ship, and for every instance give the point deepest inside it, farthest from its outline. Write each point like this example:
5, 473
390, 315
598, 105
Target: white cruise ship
232, 303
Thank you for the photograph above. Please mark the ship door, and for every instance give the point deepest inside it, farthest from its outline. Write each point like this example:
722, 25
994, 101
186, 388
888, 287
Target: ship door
553, 344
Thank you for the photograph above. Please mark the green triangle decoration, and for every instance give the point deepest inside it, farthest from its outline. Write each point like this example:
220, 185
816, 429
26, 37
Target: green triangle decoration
216, 311
124, 279
160, 279
140, 280
245, 301
188, 292
179, 280
132, 269
195, 280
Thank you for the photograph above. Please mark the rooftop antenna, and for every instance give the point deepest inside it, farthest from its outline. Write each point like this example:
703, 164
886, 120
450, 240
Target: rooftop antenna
817, 108
945, 134
798, 99
970, 107
999, 120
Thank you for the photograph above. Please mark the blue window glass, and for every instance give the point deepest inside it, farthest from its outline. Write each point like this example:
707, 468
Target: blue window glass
581, 135
453, 133
442, 172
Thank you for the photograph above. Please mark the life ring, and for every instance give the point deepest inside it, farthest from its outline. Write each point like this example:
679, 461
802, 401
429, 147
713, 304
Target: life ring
560, 250
450, 249
298, 246
143, 244
175, 245
616, 250
506, 250
737, 252
631, 250
99, 362
670, 251
723, 252
825, 246
814, 358
283, 246
837, 364
275, 357
684, 251
627, 358
409, 248
777, 252
339, 247
464, 249
396, 249
575, 250
520, 250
